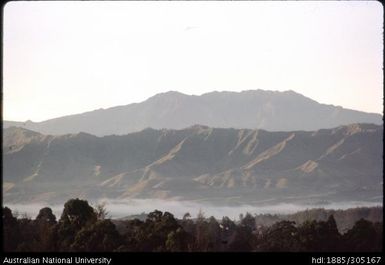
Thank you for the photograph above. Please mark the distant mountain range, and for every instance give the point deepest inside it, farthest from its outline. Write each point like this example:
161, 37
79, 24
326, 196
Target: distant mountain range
254, 109
198, 163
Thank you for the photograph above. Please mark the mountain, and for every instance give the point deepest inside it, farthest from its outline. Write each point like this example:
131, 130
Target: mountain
253, 109
196, 163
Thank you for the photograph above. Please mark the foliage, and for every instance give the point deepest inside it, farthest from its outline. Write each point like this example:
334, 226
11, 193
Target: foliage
282, 236
10, 230
98, 237
364, 235
83, 228
320, 236
76, 215
46, 216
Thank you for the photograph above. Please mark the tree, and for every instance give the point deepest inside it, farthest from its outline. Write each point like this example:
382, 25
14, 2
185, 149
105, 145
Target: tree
241, 239
282, 236
98, 237
157, 230
101, 211
45, 228
213, 235
186, 216
249, 221
228, 228
362, 237
331, 237
155, 216
201, 231
320, 236
11, 234
227, 224
28, 235
178, 240
76, 215
46, 216
134, 233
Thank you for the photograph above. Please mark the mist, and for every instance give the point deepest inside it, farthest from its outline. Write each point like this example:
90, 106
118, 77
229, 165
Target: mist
122, 208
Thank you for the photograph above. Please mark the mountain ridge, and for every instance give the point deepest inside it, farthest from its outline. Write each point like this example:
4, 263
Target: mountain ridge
252, 109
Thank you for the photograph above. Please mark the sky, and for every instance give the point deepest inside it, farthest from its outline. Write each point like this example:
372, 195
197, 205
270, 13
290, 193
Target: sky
62, 58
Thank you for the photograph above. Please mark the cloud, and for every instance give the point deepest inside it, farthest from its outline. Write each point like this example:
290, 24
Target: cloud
122, 208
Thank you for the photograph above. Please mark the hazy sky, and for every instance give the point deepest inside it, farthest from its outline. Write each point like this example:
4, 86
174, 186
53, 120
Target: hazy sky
63, 58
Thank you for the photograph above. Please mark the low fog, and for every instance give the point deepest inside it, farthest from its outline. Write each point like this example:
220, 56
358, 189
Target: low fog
122, 208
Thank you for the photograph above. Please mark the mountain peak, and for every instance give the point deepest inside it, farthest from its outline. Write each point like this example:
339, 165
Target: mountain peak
168, 94
198, 127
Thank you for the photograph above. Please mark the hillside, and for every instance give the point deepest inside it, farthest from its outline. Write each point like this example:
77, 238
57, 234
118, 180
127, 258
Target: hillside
197, 163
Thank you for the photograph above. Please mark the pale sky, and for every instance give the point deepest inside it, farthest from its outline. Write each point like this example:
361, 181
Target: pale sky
63, 58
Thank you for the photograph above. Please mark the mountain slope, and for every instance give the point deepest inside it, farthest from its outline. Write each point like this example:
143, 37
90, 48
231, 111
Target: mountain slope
196, 163
254, 109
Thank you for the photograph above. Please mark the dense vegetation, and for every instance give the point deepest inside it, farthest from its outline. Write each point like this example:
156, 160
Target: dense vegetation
345, 219
84, 228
